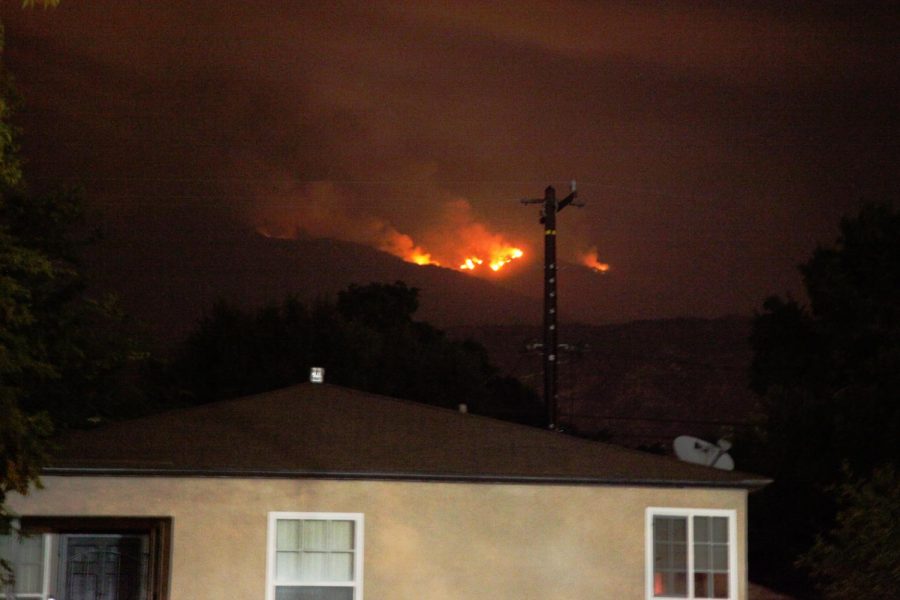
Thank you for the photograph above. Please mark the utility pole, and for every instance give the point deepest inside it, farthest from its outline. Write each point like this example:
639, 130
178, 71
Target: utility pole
550, 346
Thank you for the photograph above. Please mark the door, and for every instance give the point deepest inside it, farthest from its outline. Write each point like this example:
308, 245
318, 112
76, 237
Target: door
104, 567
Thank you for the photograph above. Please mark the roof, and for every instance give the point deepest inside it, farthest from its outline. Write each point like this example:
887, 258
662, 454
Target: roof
327, 431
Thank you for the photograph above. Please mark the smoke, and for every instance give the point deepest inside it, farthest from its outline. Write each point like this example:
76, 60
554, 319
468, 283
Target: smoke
699, 134
450, 236
458, 234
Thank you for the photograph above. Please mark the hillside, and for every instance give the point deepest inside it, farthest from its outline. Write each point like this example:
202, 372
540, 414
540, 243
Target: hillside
168, 283
641, 383
167, 277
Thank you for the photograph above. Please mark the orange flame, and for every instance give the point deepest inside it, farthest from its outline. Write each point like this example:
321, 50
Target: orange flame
590, 260
421, 258
455, 238
470, 263
497, 260
387, 239
512, 254
402, 245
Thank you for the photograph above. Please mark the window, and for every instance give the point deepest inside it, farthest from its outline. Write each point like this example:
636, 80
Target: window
314, 556
90, 557
691, 553
29, 559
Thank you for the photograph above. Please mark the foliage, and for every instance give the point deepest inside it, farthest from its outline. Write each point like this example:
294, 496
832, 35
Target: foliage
60, 350
860, 556
379, 306
61, 353
829, 376
367, 340
22, 451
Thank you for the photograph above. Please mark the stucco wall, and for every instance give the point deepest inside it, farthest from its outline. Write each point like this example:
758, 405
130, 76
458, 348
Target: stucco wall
423, 541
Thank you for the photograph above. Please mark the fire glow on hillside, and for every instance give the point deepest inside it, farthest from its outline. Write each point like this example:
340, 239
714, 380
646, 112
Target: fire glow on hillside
494, 259
478, 250
591, 261
453, 236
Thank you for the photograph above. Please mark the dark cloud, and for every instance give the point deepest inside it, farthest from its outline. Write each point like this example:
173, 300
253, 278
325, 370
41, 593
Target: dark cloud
714, 143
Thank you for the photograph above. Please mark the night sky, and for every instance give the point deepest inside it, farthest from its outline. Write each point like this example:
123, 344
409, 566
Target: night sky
715, 144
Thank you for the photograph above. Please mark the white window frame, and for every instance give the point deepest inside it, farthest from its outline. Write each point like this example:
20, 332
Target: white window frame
358, 520
690, 513
46, 543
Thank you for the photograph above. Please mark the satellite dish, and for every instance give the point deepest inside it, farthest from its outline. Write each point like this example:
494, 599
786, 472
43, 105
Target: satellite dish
697, 451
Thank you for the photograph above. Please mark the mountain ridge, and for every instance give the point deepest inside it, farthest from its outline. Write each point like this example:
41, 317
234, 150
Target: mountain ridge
168, 284
637, 383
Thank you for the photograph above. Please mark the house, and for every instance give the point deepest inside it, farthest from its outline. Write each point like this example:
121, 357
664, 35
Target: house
318, 492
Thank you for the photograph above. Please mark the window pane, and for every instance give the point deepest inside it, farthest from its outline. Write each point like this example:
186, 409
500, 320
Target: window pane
313, 593
679, 556
31, 549
28, 579
720, 557
679, 528
288, 535
287, 566
6, 547
701, 529
701, 557
26, 554
661, 527
720, 529
670, 584
679, 586
702, 585
341, 566
670, 528
670, 556
315, 535
720, 585
314, 566
341, 535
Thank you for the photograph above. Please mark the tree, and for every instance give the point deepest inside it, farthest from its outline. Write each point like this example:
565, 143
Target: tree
61, 353
829, 376
367, 340
381, 306
860, 556
21, 436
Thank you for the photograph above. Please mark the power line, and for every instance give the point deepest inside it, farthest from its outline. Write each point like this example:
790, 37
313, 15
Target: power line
670, 420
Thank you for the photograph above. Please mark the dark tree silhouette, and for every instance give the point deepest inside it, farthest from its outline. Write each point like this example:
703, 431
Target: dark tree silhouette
829, 374
860, 556
366, 340
60, 352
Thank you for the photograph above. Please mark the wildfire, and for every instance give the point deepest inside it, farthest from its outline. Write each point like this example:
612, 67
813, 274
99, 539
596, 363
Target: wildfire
470, 263
590, 260
388, 239
399, 244
455, 236
421, 258
505, 259
497, 260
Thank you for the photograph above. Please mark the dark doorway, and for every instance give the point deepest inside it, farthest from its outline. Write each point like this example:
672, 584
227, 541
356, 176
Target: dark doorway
103, 567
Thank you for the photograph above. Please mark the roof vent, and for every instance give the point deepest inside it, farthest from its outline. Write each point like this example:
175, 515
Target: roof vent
317, 375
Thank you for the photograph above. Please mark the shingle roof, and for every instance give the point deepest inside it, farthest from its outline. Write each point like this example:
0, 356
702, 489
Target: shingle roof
326, 431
